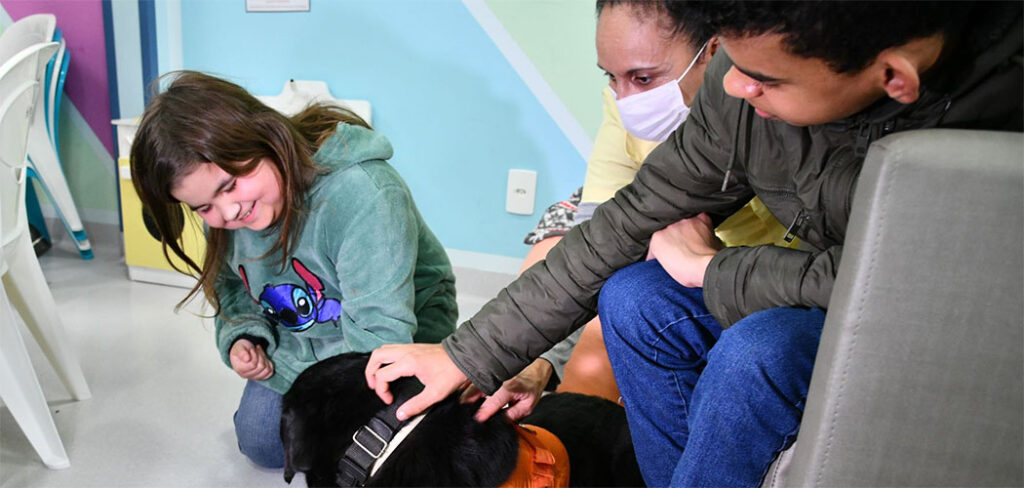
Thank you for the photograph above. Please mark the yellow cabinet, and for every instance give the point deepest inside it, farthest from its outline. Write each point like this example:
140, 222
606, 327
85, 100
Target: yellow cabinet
143, 253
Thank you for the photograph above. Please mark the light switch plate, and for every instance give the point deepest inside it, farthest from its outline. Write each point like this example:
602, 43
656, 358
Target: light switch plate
521, 192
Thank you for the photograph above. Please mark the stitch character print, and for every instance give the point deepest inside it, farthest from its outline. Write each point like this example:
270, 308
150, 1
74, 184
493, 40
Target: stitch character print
296, 307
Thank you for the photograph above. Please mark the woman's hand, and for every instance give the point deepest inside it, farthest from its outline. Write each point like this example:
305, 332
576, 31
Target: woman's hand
427, 362
250, 361
521, 393
685, 249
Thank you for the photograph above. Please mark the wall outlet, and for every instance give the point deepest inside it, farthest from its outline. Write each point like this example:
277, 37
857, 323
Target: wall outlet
522, 189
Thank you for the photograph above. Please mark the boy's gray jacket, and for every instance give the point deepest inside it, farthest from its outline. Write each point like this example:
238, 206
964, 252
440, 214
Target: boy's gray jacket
720, 158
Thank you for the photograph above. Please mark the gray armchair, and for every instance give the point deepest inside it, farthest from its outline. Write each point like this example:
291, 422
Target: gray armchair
919, 379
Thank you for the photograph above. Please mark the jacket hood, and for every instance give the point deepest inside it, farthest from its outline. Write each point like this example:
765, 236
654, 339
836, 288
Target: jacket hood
994, 39
991, 42
351, 145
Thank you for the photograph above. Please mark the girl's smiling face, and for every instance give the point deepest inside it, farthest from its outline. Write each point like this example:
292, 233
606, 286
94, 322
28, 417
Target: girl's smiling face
252, 201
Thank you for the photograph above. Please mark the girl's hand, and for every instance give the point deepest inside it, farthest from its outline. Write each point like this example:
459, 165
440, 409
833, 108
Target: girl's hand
250, 361
685, 249
427, 362
520, 393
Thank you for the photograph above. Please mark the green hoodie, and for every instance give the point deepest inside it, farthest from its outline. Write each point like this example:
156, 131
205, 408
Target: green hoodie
366, 271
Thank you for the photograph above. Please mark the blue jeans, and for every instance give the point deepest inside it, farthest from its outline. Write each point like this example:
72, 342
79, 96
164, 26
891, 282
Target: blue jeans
258, 425
706, 407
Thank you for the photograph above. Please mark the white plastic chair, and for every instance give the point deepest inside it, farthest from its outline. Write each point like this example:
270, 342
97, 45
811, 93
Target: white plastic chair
26, 32
23, 279
42, 143
20, 390
56, 73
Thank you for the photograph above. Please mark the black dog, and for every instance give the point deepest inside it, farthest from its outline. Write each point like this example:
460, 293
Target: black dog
330, 401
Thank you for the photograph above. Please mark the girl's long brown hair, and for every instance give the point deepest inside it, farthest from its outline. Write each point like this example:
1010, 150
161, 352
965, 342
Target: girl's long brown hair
201, 119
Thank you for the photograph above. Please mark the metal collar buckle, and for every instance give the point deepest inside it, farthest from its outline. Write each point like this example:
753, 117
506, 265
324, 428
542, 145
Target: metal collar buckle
383, 443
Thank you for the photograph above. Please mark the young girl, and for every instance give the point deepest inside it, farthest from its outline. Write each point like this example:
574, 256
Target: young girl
314, 244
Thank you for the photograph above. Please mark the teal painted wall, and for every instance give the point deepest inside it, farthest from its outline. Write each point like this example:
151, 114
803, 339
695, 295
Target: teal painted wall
456, 111
558, 37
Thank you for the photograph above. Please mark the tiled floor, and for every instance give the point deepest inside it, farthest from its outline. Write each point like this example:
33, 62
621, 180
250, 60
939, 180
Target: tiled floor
160, 415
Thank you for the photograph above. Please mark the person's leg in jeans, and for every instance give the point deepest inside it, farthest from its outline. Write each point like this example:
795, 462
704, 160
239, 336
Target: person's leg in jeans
747, 405
658, 334
258, 425
713, 414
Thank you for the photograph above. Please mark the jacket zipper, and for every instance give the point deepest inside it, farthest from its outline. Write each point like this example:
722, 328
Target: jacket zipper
888, 127
798, 222
863, 140
864, 135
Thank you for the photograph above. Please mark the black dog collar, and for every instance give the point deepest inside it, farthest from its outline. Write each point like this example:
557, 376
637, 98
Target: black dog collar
371, 440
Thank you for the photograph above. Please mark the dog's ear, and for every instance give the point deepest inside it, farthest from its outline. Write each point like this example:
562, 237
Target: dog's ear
289, 470
296, 454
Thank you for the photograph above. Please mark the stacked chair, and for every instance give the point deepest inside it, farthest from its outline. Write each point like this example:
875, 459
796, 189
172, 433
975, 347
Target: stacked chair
23, 283
43, 142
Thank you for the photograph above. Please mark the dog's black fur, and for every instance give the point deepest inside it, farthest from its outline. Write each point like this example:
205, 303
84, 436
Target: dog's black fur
596, 435
330, 400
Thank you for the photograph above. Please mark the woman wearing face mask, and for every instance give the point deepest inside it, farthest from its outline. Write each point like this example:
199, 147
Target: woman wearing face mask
655, 65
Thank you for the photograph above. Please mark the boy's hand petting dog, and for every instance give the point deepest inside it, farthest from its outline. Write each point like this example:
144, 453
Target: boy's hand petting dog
429, 363
685, 249
250, 361
327, 404
520, 393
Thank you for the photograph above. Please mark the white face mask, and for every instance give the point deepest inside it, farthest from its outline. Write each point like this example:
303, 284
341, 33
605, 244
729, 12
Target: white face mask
655, 113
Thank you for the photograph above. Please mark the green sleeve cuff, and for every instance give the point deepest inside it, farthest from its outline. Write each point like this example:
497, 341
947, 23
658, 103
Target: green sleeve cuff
253, 328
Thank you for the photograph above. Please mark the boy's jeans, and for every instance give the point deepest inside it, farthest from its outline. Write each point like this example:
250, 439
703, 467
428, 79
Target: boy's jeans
258, 425
705, 407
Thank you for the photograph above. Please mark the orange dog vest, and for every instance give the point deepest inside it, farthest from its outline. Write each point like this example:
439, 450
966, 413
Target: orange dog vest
542, 462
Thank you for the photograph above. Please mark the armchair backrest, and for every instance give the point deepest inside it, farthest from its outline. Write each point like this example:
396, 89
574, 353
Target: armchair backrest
918, 379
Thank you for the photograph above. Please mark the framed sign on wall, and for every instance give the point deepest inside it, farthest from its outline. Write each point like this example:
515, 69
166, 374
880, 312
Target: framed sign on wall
277, 5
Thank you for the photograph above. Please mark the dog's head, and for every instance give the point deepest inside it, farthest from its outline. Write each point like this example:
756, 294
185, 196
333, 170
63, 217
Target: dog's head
319, 414
330, 400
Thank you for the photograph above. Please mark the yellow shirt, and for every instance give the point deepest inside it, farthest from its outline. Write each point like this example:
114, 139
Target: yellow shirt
617, 157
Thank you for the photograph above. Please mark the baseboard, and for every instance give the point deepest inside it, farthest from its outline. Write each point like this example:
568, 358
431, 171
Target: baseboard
88, 215
492, 263
161, 277
105, 237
